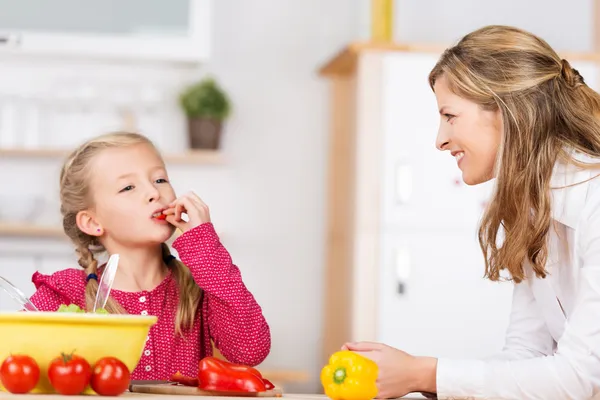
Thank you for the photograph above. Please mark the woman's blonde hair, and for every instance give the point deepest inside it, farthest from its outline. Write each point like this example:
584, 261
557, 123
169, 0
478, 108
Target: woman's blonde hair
547, 111
75, 196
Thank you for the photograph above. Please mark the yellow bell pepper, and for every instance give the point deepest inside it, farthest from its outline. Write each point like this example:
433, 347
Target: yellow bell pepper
349, 376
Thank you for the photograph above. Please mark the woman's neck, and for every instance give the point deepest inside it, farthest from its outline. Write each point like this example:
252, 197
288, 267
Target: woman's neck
139, 268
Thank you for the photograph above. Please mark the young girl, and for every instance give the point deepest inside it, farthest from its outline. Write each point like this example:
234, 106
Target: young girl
513, 110
116, 197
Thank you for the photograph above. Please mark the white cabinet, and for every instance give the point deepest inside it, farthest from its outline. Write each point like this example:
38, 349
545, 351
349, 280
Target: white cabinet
174, 30
432, 298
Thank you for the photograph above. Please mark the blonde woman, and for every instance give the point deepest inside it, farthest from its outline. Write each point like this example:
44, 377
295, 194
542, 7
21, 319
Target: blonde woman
513, 110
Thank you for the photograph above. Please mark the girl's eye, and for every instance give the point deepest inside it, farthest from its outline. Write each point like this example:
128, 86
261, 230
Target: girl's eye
161, 180
448, 117
126, 189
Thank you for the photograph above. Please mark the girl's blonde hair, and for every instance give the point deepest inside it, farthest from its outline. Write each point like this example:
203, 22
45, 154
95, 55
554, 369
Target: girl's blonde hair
547, 110
75, 196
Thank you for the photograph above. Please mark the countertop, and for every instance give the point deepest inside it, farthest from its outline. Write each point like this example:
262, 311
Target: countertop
141, 396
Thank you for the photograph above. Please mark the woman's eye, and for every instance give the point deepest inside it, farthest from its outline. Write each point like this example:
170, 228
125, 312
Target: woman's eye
448, 117
161, 180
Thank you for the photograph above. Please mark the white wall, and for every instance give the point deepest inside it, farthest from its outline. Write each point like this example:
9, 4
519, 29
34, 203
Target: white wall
268, 199
277, 142
564, 24
567, 25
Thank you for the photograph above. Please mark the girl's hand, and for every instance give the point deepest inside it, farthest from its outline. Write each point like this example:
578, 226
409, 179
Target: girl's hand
399, 372
191, 205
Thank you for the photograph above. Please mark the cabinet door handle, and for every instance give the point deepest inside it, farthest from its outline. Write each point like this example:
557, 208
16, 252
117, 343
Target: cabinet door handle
402, 268
402, 182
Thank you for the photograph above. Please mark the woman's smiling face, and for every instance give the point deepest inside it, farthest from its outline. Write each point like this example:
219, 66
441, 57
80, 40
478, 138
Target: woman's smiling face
471, 134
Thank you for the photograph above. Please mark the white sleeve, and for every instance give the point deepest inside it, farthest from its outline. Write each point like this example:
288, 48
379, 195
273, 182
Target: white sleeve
573, 372
527, 335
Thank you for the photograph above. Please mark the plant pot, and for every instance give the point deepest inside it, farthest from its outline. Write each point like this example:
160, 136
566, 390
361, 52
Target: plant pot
205, 133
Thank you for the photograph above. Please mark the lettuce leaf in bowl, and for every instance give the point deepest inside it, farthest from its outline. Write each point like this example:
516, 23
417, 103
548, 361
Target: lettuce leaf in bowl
74, 308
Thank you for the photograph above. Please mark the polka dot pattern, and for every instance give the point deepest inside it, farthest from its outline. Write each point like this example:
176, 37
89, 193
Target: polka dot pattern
229, 314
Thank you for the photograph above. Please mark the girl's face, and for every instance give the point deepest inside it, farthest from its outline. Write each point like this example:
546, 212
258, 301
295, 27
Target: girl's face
471, 134
129, 186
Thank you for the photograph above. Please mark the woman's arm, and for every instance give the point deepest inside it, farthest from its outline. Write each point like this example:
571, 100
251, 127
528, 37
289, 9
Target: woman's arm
527, 335
527, 368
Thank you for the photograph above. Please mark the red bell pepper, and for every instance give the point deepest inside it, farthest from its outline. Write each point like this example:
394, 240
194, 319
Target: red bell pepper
240, 367
268, 384
219, 375
184, 380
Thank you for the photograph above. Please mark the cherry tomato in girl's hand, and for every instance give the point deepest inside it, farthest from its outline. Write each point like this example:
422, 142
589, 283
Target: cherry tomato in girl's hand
110, 377
69, 374
19, 374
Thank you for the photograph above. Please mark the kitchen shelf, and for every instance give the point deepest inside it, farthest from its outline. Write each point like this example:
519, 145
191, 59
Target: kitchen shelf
345, 61
52, 232
28, 230
208, 157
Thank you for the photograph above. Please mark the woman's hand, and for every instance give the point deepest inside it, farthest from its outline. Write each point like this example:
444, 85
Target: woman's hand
399, 372
191, 205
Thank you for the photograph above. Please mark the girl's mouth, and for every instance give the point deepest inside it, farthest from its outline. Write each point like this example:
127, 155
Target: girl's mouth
159, 216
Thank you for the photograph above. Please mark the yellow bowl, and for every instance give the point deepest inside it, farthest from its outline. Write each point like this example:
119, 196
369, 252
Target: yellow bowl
44, 335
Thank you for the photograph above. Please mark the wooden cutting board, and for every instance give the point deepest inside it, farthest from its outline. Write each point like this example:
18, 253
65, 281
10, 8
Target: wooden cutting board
159, 387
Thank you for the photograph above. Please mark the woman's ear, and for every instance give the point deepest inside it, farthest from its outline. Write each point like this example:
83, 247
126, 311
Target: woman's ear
88, 224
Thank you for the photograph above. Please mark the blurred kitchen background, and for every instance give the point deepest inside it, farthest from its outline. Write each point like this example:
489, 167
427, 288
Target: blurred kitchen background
325, 185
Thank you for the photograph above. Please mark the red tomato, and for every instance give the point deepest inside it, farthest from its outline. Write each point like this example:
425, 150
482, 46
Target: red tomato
110, 377
69, 374
19, 373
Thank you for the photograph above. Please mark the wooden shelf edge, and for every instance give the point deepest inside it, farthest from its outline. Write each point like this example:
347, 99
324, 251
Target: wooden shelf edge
208, 157
37, 231
344, 62
27, 230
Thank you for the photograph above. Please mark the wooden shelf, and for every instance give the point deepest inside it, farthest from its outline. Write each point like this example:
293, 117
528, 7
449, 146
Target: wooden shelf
209, 157
25, 230
344, 62
36, 231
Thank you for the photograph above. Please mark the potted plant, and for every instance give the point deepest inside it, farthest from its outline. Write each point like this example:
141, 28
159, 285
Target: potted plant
206, 106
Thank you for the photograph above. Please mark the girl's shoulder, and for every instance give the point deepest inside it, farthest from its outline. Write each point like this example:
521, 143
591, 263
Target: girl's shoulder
69, 282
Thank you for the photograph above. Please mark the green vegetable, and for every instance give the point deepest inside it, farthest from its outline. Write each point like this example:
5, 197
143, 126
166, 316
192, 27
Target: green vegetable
74, 308
71, 308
